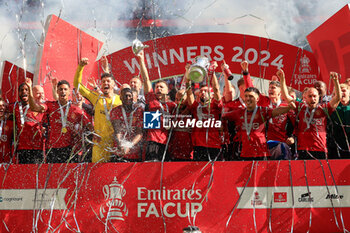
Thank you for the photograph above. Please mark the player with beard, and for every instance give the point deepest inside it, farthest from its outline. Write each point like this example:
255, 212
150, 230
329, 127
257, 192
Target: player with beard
103, 104
206, 141
321, 87
311, 120
29, 137
6, 134
157, 100
341, 125
251, 122
63, 120
127, 123
136, 84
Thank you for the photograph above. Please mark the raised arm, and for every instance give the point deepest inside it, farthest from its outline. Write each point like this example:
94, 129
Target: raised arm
144, 73
104, 64
54, 88
247, 80
229, 91
84, 91
336, 98
35, 107
281, 110
284, 89
190, 95
215, 85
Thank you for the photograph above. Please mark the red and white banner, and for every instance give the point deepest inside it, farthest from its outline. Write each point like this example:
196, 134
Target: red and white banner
167, 57
269, 196
63, 47
11, 77
330, 43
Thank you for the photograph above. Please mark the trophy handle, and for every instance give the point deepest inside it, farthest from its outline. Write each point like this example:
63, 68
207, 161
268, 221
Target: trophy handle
106, 191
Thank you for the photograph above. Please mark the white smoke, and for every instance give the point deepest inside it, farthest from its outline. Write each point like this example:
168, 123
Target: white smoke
290, 21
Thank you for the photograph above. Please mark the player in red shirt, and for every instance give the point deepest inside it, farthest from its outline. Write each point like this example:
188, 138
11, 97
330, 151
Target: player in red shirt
6, 134
29, 136
64, 119
180, 146
206, 140
252, 121
127, 123
311, 120
159, 103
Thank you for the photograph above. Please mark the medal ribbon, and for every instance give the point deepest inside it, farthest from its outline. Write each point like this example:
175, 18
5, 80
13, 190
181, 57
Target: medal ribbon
128, 125
23, 115
105, 106
309, 120
64, 115
248, 127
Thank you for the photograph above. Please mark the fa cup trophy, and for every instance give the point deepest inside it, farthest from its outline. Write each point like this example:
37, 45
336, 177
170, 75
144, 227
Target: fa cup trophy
137, 46
199, 69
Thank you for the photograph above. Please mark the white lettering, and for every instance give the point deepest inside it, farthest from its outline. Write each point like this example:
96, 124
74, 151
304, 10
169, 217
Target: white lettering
218, 52
133, 64
140, 210
152, 210
166, 213
173, 53
196, 208
140, 192
190, 53
206, 51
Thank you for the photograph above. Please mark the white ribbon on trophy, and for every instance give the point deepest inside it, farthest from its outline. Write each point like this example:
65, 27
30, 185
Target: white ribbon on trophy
199, 69
137, 46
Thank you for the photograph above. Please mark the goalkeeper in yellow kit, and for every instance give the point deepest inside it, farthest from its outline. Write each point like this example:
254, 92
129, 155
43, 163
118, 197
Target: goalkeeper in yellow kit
103, 104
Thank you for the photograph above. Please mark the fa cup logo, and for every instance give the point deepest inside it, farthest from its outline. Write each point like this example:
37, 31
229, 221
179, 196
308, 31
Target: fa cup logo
114, 208
304, 65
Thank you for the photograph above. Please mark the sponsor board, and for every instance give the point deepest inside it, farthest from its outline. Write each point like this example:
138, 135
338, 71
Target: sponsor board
29, 199
300, 197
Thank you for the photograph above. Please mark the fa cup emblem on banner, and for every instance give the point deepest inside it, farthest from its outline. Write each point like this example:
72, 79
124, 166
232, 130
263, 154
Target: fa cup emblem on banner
114, 208
304, 65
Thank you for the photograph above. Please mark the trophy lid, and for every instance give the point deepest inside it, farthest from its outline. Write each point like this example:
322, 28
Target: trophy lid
191, 229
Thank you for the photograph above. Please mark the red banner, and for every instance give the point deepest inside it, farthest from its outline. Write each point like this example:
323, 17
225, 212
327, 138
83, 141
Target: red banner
167, 57
62, 49
11, 77
330, 43
270, 196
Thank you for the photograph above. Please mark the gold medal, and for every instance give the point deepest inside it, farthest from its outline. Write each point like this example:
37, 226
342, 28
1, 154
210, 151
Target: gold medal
64, 130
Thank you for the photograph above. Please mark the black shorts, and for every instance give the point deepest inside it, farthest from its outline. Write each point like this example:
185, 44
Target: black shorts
61, 155
30, 156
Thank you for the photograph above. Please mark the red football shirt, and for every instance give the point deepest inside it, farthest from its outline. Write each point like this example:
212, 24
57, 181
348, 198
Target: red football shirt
180, 145
6, 141
277, 130
158, 135
134, 121
230, 106
207, 137
311, 130
75, 121
253, 145
30, 135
